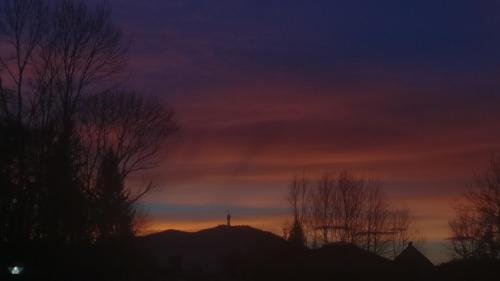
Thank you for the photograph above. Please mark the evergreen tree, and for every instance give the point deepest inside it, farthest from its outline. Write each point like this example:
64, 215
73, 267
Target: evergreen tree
296, 234
113, 210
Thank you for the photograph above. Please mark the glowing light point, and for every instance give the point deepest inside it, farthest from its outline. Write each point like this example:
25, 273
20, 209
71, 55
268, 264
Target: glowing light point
15, 270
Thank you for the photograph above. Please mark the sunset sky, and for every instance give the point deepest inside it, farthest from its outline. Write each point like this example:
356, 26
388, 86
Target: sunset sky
404, 91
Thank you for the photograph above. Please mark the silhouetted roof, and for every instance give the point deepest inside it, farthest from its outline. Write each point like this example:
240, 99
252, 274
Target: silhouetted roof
413, 258
348, 256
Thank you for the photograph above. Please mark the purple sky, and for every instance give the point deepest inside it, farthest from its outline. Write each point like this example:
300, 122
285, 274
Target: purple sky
406, 92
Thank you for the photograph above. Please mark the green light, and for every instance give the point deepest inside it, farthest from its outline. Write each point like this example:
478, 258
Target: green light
15, 270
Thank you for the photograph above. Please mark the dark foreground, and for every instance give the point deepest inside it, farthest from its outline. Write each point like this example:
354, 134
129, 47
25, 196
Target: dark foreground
224, 253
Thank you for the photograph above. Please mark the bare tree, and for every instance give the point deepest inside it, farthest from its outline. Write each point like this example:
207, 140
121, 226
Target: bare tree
321, 209
82, 51
297, 197
350, 198
65, 119
351, 209
476, 225
297, 194
399, 235
376, 219
22, 27
130, 126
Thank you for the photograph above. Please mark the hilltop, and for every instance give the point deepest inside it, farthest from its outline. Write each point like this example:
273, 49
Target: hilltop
244, 251
214, 248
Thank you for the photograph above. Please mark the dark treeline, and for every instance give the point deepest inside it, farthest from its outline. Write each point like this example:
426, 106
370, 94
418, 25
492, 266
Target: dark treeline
347, 209
70, 135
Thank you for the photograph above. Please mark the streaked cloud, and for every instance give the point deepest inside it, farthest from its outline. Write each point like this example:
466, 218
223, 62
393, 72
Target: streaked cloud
406, 92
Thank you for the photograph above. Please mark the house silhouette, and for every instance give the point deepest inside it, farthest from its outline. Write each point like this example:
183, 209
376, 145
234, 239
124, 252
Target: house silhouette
414, 265
412, 258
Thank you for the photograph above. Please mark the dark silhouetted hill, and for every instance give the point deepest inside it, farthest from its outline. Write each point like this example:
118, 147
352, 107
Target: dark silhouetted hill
228, 253
243, 252
214, 249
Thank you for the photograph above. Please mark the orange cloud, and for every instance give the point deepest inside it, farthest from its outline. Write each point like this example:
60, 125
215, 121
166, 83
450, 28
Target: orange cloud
241, 143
